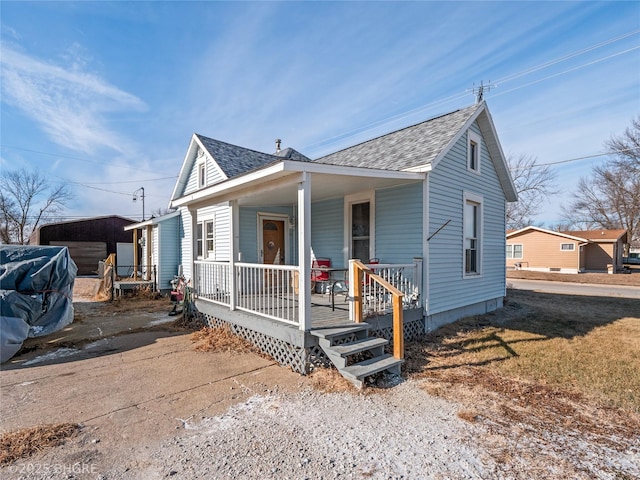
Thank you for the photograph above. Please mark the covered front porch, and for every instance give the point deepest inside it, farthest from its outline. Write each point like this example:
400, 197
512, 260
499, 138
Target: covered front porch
268, 290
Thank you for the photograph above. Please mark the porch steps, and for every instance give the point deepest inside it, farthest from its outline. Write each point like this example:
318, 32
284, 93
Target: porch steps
338, 344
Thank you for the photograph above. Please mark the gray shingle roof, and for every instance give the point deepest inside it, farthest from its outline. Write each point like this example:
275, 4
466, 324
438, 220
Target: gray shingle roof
406, 148
235, 160
292, 154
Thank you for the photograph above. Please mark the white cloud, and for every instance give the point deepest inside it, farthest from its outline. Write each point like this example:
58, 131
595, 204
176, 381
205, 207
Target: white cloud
71, 105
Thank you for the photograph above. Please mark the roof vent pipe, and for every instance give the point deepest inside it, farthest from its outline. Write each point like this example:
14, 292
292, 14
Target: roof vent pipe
278, 142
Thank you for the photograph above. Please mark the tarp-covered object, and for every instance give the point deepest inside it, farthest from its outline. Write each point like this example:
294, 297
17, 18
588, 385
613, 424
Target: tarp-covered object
36, 288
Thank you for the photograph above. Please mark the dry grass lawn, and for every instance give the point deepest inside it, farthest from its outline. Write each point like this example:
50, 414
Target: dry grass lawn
544, 360
28, 441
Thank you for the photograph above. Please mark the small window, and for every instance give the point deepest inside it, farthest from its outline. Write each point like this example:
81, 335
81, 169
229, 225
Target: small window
473, 152
567, 247
202, 174
514, 251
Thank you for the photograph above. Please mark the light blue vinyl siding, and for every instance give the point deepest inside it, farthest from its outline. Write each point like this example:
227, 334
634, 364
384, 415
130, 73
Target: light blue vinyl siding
249, 234
448, 288
168, 251
213, 176
399, 224
184, 234
327, 230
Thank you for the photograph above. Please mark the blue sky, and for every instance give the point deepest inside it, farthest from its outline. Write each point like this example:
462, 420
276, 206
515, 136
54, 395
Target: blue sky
106, 95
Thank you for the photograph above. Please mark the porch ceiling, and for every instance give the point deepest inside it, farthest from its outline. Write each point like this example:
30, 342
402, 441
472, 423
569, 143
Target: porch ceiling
323, 187
278, 184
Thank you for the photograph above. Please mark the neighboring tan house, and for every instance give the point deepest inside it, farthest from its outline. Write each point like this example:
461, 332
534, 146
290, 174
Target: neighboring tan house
424, 206
89, 240
539, 249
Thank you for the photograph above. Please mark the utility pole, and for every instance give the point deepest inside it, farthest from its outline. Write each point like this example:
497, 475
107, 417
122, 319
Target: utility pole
135, 197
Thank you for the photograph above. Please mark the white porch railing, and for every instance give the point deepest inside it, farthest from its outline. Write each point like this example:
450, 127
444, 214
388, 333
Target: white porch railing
272, 290
405, 277
267, 290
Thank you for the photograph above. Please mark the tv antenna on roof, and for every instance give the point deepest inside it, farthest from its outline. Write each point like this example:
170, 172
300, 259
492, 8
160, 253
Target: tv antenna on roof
479, 91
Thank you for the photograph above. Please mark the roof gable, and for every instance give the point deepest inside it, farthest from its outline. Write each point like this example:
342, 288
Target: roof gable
230, 160
566, 235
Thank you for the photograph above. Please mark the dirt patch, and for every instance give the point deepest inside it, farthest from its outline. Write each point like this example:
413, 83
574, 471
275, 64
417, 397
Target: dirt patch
26, 442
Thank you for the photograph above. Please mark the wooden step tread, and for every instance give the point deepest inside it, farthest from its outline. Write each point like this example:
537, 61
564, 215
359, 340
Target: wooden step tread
359, 371
330, 333
358, 346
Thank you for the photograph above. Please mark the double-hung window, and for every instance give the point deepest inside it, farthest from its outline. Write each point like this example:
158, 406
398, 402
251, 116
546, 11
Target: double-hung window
472, 226
205, 235
514, 251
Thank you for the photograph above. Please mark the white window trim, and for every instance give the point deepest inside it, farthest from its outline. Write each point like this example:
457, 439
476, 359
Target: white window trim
513, 257
287, 227
572, 249
202, 178
477, 139
472, 197
206, 253
349, 200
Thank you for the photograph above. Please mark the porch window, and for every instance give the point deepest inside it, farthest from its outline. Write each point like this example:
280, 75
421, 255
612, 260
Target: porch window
514, 251
472, 226
205, 235
473, 152
360, 230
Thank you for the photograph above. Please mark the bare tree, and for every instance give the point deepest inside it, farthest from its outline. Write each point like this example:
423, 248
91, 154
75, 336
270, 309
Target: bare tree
26, 201
609, 199
534, 183
625, 148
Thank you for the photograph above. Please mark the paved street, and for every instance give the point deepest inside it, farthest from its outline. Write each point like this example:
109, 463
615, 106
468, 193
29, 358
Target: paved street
567, 288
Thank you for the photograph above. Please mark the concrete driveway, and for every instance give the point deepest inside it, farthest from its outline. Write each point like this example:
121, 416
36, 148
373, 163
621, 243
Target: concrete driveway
566, 288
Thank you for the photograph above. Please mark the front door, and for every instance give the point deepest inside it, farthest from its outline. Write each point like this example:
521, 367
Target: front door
273, 251
273, 242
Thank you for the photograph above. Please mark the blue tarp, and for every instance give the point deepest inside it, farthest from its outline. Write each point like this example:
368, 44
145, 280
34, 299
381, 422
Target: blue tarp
36, 288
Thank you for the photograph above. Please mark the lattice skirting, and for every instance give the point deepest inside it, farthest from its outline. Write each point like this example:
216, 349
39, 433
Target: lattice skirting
302, 360
297, 358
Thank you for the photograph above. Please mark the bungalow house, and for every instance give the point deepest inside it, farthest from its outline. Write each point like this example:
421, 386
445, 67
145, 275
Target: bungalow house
412, 223
534, 248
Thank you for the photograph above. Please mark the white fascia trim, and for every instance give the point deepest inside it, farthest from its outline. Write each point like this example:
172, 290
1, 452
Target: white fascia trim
152, 221
312, 167
293, 167
551, 232
227, 185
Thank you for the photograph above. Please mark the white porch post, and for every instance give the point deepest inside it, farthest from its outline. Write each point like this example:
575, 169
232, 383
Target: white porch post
417, 261
194, 247
304, 249
235, 249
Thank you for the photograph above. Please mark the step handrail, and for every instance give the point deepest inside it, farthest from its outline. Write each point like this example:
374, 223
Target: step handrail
358, 272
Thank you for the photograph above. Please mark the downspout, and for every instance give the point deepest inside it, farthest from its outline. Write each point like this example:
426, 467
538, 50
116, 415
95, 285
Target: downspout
425, 247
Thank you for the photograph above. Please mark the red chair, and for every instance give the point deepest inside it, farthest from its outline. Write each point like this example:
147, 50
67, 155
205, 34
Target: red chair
318, 275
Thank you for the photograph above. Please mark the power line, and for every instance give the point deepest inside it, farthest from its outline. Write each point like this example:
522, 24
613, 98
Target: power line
585, 157
71, 157
399, 116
